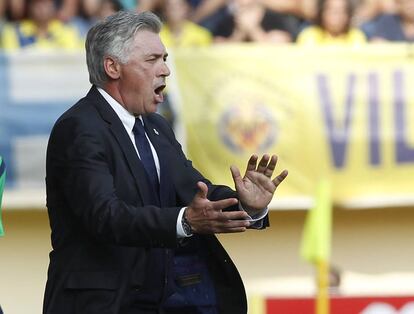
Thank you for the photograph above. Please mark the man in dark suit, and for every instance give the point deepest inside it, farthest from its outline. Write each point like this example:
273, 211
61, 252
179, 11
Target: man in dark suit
132, 221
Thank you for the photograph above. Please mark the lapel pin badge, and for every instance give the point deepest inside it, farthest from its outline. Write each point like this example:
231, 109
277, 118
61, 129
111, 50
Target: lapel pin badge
156, 132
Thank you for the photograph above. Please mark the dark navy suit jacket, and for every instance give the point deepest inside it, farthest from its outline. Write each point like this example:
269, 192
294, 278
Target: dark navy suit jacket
103, 226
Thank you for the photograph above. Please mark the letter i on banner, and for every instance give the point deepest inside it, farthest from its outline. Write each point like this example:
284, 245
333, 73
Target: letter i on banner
316, 242
2, 180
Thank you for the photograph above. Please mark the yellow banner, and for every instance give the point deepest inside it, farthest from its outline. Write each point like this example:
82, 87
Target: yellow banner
342, 113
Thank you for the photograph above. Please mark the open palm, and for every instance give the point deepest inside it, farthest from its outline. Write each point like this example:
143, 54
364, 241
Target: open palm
255, 190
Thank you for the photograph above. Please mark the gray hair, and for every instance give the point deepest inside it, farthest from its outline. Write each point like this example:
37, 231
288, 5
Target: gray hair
113, 37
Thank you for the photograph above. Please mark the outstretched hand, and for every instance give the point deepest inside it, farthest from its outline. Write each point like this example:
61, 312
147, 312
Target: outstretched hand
207, 217
256, 188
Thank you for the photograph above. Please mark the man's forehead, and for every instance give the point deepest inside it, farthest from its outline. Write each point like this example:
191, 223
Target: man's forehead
149, 42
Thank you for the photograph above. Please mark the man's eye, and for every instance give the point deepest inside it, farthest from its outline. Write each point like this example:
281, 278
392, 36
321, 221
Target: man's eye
151, 59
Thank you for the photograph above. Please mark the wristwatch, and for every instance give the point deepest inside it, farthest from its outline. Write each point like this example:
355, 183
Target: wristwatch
186, 225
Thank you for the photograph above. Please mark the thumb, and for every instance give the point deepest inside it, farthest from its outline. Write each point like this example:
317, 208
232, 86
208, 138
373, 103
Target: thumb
235, 172
202, 190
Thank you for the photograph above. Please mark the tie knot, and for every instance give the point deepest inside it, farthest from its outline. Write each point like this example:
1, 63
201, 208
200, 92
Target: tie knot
138, 126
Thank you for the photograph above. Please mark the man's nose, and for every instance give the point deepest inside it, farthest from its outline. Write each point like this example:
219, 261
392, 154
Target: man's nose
165, 70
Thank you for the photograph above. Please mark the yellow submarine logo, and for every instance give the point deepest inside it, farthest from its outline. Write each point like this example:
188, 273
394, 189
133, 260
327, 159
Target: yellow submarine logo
247, 128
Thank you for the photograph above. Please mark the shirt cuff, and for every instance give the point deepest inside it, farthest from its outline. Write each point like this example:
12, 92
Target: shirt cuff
256, 220
180, 230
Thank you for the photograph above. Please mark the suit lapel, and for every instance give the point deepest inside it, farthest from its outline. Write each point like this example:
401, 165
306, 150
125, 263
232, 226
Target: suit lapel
124, 141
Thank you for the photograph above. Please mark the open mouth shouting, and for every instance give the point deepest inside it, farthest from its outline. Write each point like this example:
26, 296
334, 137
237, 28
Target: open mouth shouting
158, 93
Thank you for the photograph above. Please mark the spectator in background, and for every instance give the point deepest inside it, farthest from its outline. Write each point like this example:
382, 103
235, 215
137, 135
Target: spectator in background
239, 20
88, 15
251, 21
156, 6
41, 30
206, 9
397, 27
66, 9
150, 5
109, 7
14, 10
332, 25
305, 9
366, 10
178, 30
209, 13
91, 11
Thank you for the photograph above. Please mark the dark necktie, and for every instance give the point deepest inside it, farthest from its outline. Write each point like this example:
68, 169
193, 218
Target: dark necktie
145, 153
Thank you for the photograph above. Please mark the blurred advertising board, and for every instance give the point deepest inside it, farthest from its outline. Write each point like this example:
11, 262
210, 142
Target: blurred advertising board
343, 305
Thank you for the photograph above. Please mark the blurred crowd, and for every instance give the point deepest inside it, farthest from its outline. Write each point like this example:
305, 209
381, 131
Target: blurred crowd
64, 23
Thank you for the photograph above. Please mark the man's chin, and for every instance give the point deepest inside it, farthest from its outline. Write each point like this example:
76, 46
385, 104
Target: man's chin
152, 109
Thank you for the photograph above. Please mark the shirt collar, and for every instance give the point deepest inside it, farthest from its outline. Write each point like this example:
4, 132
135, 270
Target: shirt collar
127, 119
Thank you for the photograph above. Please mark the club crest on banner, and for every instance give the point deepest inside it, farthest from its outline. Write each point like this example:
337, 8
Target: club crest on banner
247, 127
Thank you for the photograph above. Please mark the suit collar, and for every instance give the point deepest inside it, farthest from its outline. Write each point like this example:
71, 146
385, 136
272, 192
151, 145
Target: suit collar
102, 106
124, 115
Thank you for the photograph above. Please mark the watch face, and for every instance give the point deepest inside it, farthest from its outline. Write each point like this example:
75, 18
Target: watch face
187, 229
186, 226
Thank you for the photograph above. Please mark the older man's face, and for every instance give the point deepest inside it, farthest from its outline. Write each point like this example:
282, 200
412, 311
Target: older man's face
142, 78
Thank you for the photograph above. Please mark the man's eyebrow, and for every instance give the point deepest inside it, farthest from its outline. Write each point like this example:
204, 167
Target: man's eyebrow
157, 55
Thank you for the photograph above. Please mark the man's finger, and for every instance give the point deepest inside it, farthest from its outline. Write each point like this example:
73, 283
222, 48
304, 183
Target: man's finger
202, 190
271, 166
235, 173
251, 164
222, 204
263, 164
239, 215
279, 179
232, 226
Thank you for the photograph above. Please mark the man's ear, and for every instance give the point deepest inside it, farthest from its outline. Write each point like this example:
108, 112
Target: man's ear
112, 68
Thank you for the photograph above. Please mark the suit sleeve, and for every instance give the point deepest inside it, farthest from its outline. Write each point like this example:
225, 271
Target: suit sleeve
81, 189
